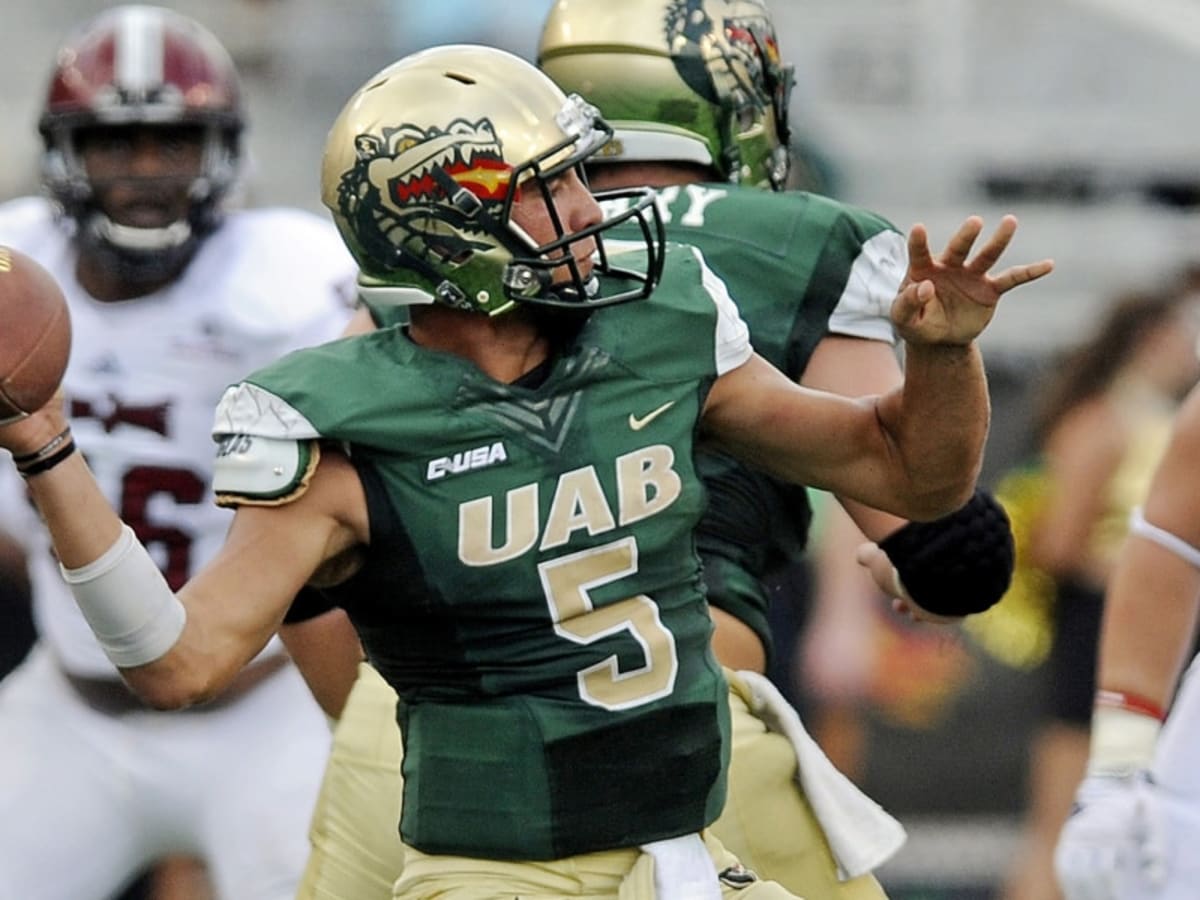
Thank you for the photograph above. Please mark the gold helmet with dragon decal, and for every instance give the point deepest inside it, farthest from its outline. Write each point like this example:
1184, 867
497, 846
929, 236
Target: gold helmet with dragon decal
423, 165
693, 81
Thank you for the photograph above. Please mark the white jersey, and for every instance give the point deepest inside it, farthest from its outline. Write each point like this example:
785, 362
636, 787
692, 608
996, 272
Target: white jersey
145, 375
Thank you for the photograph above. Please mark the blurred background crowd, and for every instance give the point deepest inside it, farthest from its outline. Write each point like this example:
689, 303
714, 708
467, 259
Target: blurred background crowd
1072, 114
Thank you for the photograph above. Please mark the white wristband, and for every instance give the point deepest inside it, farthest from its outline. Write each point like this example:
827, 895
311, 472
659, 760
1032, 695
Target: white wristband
135, 616
1123, 741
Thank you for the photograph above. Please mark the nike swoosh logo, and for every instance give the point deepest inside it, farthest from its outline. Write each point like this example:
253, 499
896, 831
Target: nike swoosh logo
638, 424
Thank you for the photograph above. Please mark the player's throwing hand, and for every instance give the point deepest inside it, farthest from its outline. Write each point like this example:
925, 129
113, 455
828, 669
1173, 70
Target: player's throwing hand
950, 299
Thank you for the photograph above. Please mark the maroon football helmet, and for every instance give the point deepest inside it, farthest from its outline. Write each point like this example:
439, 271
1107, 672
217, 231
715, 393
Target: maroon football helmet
142, 65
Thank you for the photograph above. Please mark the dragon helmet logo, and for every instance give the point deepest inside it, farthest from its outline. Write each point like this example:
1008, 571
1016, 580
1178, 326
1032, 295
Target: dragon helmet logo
705, 52
414, 191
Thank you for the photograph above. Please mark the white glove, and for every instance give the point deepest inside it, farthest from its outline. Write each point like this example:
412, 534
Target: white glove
1112, 846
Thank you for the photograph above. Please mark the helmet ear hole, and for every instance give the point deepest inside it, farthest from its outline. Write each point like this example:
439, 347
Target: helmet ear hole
743, 115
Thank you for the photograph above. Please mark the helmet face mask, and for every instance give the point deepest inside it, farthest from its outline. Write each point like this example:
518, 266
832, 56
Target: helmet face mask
142, 68
691, 81
424, 197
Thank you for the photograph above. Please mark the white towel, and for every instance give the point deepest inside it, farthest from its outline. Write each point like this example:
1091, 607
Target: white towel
861, 834
683, 869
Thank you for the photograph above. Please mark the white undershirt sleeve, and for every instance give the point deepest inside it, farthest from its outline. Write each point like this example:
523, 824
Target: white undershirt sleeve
865, 307
733, 337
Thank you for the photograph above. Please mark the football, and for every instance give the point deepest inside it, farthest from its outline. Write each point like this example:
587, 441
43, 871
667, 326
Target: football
35, 334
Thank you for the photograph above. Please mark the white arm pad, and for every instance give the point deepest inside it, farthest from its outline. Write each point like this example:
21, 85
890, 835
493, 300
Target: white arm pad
135, 616
1181, 548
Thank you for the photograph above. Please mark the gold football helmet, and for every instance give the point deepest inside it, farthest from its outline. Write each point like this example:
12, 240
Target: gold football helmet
423, 164
696, 81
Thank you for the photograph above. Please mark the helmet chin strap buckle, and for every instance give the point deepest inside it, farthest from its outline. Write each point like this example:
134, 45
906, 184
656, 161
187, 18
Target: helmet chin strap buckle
521, 279
460, 198
452, 295
780, 164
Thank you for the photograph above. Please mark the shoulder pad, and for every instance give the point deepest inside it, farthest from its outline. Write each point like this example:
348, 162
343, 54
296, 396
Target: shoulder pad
262, 471
249, 409
267, 450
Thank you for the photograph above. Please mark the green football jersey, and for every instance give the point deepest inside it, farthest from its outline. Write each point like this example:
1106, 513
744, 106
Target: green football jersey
789, 259
532, 589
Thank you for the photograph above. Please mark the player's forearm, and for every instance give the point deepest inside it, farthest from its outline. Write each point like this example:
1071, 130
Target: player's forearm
937, 423
1153, 596
81, 522
1149, 622
327, 652
136, 617
169, 658
874, 524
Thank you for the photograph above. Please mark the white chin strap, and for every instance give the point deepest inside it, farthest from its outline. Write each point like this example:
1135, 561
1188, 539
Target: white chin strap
387, 295
146, 240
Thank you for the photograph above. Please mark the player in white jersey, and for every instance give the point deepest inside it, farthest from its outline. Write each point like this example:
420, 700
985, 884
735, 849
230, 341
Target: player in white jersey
1136, 825
172, 298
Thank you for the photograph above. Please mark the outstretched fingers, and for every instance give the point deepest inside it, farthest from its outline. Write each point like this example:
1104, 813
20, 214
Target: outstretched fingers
1018, 275
919, 257
957, 272
991, 252
959, 246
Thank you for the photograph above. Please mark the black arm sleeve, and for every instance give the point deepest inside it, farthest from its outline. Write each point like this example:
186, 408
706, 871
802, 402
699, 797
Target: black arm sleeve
309, 604
959, 564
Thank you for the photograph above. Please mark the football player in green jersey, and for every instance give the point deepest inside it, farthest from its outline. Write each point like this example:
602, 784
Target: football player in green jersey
710, 131
503, 491
712, 135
